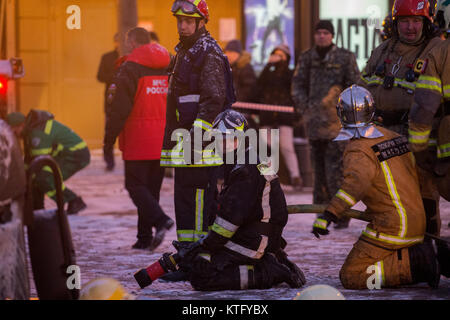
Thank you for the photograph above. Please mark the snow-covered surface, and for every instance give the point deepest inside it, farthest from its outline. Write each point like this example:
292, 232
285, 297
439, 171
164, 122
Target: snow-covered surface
103, 235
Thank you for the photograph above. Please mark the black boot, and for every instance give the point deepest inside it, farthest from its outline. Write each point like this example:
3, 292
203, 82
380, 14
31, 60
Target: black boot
431, 216
269, 272
76, 205
161, 233
424, 264
296, 272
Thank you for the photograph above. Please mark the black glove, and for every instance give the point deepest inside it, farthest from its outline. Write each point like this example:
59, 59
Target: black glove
320, 226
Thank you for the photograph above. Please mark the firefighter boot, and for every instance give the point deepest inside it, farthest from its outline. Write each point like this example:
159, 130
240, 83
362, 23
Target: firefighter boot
297, 273
424, 264
76, 205
142, 244
161, 233
269, 272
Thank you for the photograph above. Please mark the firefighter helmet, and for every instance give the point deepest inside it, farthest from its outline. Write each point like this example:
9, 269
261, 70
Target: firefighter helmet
230, 121
356, 110
404, 8
191, 8
104, 289
320, 292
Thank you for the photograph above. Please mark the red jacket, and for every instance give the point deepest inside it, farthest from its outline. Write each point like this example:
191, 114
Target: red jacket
138, 103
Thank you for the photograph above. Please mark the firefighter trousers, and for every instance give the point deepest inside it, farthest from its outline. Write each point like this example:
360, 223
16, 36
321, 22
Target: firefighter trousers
68, 165
195, 201
369, 266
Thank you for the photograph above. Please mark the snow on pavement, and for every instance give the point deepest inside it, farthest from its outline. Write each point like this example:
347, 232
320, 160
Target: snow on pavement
103, 235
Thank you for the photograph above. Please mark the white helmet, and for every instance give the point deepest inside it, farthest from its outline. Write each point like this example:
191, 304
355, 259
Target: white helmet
104, 289
320, 292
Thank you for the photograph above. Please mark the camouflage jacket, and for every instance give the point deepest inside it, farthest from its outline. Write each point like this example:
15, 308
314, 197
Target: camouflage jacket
316, 86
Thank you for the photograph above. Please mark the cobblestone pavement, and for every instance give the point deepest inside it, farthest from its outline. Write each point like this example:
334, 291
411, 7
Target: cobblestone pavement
103, 235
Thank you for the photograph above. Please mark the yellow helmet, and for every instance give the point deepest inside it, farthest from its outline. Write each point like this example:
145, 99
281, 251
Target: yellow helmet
320, 292
104, 289
191, 8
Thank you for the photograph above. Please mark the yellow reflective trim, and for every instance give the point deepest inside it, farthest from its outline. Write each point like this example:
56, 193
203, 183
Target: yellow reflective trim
53, 192
58, 150
39, 152
321, 224
443, 151
222, 231
372, 234
78, 146
341, 194
48, 127
199, 206
418, 137
395, 199
199, 123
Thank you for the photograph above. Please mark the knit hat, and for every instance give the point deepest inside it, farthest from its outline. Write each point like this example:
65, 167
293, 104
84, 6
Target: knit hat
15, 119
325, 24
285, 48
234, 45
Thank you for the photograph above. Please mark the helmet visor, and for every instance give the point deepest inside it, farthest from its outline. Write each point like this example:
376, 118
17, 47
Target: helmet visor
185, 6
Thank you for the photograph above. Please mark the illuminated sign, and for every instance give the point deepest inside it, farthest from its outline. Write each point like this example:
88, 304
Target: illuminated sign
357, 24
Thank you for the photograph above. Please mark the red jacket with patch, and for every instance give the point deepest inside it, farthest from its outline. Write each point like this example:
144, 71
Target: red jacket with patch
137, 99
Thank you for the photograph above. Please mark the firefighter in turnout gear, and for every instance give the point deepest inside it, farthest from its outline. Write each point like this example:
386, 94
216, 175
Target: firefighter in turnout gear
380, 171
200, 87
429, 123
43, 135
244, 248
392, 74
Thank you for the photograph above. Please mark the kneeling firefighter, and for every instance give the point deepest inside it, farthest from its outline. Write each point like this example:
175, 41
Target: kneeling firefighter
244, 248
380, 171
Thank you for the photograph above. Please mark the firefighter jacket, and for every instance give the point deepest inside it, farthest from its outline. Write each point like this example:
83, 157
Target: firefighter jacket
382, 174
252, 213
315, 79
137, 103
431, 101
200, 87
391, 76
45, 136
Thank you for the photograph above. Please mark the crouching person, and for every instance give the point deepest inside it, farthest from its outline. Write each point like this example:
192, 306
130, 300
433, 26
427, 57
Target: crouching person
244, 247
43, 135
380, 171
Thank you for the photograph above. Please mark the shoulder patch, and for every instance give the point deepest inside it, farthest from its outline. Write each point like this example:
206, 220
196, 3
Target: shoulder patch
391, 148
421, 66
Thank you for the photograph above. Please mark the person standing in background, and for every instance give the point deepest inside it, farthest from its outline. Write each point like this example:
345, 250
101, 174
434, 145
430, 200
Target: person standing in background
322, 73
273, 87
105, 74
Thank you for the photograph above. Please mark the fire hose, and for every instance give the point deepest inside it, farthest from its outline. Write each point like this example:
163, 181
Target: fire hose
350, 213
262, 107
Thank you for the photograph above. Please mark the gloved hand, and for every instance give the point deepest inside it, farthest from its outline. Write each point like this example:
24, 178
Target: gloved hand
320, 226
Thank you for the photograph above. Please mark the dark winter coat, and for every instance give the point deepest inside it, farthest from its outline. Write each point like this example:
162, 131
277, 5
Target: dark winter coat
274, 87
137, 103
252, 214
107, 68
244, 78
200, 87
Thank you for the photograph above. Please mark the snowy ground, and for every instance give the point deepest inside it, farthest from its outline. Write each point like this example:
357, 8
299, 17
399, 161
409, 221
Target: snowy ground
103, 235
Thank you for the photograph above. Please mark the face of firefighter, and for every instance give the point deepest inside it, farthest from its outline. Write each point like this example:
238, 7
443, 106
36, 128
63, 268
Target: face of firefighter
323, 38
410, 28
187, 26
229, 145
